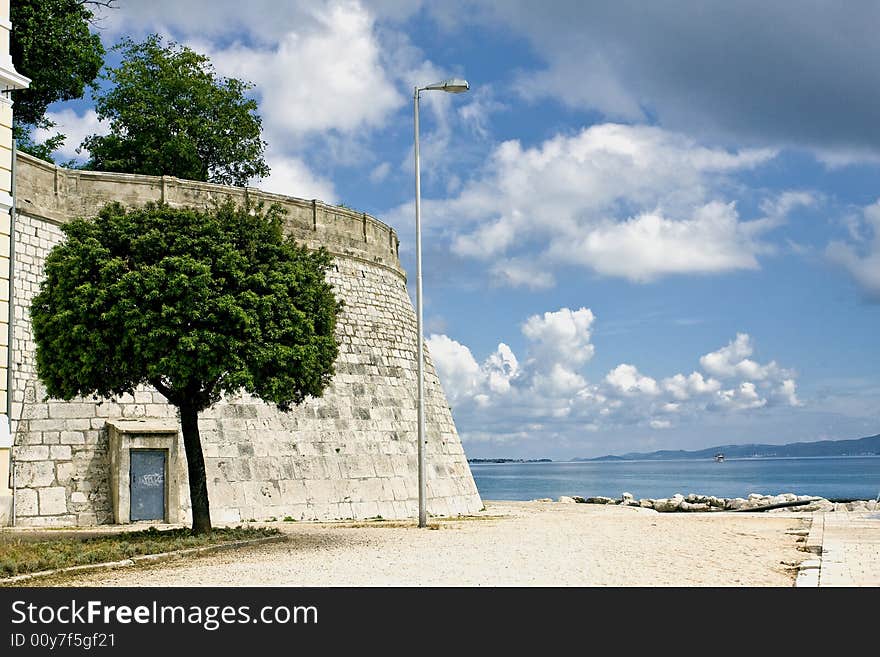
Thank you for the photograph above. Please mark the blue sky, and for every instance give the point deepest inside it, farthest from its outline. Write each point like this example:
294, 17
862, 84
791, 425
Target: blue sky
648, 225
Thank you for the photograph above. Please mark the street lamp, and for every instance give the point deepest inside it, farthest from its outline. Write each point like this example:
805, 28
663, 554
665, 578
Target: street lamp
452, 86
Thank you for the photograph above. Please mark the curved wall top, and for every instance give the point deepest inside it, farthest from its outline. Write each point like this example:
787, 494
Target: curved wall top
57, 194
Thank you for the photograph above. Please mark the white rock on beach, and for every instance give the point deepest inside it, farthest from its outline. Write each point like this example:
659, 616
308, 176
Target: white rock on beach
627, 499
695, 506
565, 499
668, 505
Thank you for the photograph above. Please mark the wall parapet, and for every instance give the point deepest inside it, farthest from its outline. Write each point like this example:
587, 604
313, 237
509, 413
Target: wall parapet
58, 195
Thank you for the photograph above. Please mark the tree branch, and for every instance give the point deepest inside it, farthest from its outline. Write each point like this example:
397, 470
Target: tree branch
95, 21
162, 388
107, 4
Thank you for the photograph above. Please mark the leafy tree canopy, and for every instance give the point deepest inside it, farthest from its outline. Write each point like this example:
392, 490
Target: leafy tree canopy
170, 114
194, 303
51, 43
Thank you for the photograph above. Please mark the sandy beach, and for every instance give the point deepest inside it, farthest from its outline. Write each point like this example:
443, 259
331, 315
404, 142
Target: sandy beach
510, 544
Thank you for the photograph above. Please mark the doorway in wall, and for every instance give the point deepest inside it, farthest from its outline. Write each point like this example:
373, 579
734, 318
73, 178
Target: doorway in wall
148, 467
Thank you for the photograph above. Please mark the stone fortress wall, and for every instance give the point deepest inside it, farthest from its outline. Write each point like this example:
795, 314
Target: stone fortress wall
349, 454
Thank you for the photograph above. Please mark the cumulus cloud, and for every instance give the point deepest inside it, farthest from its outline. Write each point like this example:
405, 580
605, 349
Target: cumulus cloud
456, 366
550, 387
326, 77
636, 202
860, 256
562, 336
500, 367
649, 245
627, 380
733, 361
683, 387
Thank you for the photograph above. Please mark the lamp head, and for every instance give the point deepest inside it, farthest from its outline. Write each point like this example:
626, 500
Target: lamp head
450, 86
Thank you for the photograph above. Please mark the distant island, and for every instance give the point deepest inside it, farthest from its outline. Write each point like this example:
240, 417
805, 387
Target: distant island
510, 460
869, 446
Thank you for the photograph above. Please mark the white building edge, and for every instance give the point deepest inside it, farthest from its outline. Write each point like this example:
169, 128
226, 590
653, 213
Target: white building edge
10, 80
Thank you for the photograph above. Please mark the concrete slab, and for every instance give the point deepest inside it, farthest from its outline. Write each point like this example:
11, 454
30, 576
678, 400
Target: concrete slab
850, 549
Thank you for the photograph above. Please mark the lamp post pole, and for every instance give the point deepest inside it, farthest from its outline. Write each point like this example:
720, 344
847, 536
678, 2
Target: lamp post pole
450, 86
421, 341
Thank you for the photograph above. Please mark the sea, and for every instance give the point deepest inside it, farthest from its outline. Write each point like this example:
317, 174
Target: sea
834, 478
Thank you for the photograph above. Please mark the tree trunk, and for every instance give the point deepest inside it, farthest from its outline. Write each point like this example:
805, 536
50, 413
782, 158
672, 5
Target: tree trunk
195, 463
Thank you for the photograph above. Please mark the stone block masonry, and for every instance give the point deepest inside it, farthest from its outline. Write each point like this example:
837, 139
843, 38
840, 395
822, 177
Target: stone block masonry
349, 454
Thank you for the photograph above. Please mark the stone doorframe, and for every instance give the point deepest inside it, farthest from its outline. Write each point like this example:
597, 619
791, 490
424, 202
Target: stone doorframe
126, 435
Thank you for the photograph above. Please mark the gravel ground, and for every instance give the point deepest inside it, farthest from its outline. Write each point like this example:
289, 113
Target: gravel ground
510, 544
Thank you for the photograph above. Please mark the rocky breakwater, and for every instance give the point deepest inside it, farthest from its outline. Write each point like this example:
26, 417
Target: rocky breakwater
754, 502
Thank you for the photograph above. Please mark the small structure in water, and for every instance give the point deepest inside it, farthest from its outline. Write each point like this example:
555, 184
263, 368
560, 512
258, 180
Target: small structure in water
719, 458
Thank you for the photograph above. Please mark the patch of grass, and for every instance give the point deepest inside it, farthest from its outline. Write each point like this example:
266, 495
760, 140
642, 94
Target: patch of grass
18, 556
289, 519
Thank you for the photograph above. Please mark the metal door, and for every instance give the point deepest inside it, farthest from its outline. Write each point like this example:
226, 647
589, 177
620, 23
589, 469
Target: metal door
148, 484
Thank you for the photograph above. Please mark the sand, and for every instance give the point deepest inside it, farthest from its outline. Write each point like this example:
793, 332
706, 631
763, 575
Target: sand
510, 544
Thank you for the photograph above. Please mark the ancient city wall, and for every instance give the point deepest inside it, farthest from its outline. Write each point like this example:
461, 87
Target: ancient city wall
350, 454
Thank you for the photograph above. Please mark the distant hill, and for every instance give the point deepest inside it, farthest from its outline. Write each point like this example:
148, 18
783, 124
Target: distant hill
510, 461
869, 446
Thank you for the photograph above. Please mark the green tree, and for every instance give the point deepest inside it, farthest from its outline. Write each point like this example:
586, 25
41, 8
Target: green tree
51, 43
196, 304
170, 114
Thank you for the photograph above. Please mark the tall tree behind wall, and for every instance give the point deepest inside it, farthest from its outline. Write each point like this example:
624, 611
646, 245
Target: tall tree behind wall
53, 45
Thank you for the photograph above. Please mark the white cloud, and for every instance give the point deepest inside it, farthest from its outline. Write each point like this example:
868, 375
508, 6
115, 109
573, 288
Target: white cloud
75, 127
632, 201
380, 173
560, 381
733, 361
550, 387
560, 337
500, 367
682, 387
838, 158
650, 245
456, 367
744, 397
521, 273
326, 77
477, 111
778, 208
627, 380
861, 255
293, 177
787, 393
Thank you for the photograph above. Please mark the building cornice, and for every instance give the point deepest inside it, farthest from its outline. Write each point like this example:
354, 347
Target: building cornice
11, 79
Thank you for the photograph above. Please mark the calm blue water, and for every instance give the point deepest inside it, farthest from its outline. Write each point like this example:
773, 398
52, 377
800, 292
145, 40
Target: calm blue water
845, 477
